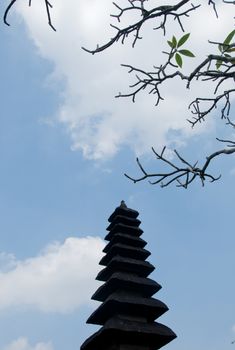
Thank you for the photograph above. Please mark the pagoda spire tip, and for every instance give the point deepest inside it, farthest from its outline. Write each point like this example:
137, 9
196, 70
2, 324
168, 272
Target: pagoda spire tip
123, 204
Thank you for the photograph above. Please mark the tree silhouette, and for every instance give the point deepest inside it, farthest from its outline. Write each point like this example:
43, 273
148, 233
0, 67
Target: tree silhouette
218, 68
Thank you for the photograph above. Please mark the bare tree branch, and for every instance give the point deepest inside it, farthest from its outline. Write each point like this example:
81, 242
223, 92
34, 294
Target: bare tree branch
229, 2
218, 69
161, 13
154, 79
48, 6
185, 173
199, 114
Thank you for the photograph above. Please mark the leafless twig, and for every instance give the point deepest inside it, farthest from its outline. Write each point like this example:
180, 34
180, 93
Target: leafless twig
184, 173
48, 6
152, 81
161, 13
199, 114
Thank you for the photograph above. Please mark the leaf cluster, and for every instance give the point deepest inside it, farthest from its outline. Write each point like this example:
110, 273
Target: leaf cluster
226, 48
177, 52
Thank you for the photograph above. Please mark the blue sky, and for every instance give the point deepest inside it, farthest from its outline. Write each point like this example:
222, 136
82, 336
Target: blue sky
60, 183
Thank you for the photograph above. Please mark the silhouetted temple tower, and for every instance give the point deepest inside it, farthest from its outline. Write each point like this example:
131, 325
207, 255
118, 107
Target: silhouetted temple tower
128, 311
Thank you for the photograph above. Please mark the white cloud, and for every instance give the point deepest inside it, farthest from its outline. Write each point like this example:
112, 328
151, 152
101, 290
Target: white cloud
23, 344
59, 279
7, 262
98, 124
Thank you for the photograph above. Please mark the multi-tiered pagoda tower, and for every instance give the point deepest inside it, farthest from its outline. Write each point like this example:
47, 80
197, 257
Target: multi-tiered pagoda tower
128, 310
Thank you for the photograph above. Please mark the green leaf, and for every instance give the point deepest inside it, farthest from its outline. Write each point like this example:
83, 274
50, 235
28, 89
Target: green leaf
229, 37
183, 39
186, 53
220, 47
179, 60
170, 44
174, 42
231, 50
218, 64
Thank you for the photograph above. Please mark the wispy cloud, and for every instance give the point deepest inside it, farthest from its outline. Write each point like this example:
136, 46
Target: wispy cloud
23, 344
7, 262
98, 124
59, 279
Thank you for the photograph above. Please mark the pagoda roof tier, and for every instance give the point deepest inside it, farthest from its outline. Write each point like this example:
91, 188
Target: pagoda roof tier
125, 264
125, 239
124, 220
120, 228
126, 281
124, 211
126, 251
118, 331
128, 305
128, 310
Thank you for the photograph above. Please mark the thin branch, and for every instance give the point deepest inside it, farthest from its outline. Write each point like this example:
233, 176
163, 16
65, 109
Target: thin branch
210, 2
7, 11
48, 6
159, 12
229, 2
200, 114
152, 80
184, 173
